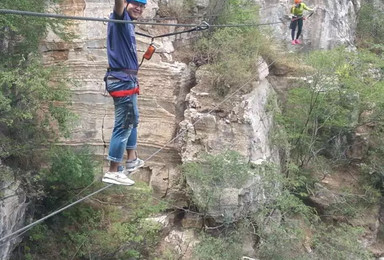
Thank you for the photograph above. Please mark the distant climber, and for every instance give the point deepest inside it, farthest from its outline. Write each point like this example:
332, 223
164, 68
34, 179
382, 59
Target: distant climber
297, 20
122, 85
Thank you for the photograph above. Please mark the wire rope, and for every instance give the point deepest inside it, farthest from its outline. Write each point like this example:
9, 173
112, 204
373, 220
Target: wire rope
83, 18
54, 213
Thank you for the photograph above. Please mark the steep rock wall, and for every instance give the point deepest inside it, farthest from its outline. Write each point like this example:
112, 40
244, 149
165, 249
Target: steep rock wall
333, 23
240, 121
237, 122
13, 205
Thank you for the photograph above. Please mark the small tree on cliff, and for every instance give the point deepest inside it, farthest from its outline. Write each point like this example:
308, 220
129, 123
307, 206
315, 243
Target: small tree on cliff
32, 97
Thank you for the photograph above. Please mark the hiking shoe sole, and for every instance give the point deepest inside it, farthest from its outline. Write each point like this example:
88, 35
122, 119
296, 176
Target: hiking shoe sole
112, 181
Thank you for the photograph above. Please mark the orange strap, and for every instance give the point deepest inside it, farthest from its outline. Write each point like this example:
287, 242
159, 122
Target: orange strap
124, 93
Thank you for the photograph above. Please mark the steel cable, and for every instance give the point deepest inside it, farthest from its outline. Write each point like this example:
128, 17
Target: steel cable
83, 18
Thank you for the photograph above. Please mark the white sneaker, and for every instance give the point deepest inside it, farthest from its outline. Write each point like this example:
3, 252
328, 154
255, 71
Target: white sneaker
132, 166
117, 178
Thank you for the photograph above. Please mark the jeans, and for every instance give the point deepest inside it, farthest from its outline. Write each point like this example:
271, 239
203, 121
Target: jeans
124, 135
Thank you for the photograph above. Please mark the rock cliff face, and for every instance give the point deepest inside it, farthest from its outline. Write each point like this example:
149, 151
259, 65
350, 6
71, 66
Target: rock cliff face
237, 122
333, 22
12, 211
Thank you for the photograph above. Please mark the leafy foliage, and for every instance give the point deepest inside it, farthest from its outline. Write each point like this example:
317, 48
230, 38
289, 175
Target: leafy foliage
322, 112
70, 171
370, 29
32, 105
20, 36
225, 247
232, 54
31, 109
110, 226
339, 242
281, 224
209, 177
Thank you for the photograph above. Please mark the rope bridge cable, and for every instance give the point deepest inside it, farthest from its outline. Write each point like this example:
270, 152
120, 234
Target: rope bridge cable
54, 213
194, 16
175, 18
83, 18
15, 236
26, 230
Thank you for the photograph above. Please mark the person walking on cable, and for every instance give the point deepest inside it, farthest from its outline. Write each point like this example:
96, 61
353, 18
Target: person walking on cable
297, 20
122, 84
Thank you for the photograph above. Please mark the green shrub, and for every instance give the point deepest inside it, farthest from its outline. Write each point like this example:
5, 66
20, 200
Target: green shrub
32, 105
70, 171
112, 225
352, 202
281, 241
213, 173
225, 247
232, 54
339, 242
322, 112
370, 27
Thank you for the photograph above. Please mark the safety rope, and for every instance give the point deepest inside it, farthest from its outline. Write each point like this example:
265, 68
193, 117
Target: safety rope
83, 18
201, 27
64, 204
54, 213
175, 18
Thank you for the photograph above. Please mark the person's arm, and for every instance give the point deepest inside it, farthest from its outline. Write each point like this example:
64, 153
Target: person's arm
119, 7
306, 7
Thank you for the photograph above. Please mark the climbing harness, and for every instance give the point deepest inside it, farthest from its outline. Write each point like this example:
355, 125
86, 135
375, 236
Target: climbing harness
295, 18
301, 17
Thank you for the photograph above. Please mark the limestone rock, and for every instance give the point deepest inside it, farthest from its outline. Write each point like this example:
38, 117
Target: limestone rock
242, 123
323, 197
12, 211
180, 243
333, 22
192, 220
